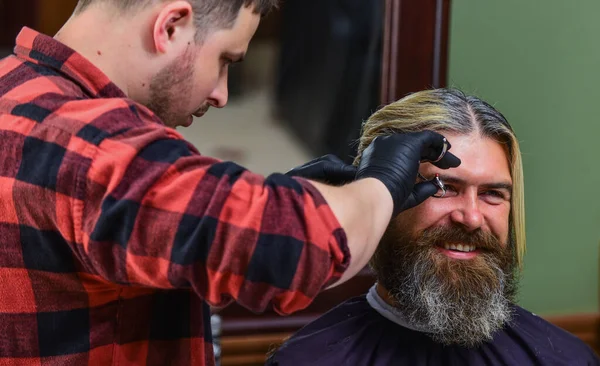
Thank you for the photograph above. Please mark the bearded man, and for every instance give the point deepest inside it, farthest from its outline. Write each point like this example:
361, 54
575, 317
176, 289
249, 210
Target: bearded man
446, 270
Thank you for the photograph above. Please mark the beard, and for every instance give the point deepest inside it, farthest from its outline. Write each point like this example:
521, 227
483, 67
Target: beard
170, 90
458, 302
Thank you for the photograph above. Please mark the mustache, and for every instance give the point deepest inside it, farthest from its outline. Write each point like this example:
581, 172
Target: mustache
439, 236
203, 109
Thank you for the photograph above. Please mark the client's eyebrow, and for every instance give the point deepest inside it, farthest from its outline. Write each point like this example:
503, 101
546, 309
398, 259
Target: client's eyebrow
495, 185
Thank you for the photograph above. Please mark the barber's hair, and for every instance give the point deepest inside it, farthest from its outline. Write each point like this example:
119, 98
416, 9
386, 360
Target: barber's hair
208, 14
451, 110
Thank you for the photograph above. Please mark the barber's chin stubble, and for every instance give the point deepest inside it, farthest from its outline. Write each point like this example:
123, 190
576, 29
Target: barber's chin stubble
461, 302
169, 87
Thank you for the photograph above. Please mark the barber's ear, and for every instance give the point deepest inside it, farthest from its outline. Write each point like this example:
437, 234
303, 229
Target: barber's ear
173, 26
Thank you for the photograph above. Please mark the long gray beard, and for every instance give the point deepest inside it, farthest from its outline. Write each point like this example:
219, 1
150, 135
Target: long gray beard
468, 319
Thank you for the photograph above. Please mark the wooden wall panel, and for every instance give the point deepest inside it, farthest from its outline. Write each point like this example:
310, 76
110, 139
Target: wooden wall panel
415, 47
249, 350
584, 326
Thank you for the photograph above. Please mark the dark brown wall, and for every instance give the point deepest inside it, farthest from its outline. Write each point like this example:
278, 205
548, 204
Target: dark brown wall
14, 14
52, 14
46, 16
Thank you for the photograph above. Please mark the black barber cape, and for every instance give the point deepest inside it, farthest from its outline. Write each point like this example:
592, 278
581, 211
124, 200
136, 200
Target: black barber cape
354, 333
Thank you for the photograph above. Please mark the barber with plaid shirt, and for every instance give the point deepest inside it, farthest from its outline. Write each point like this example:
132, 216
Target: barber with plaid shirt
116, 234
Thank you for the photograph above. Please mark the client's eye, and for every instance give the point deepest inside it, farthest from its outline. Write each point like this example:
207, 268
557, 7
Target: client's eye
494, 196
451, 191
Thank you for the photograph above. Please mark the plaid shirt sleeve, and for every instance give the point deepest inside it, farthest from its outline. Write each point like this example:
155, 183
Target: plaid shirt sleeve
156, 213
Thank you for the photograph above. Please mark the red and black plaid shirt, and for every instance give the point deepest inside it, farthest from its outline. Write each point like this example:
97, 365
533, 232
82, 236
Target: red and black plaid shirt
116, 234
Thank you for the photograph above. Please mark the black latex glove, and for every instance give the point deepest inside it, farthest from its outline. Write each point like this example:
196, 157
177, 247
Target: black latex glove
328, 169
395, 159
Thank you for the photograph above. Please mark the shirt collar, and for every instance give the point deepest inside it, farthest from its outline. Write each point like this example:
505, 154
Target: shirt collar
43, 50
390, 312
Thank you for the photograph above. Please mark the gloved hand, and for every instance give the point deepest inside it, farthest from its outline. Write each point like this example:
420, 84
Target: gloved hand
327, 169
395, 159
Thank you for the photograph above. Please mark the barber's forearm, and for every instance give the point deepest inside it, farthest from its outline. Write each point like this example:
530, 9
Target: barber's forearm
364, 209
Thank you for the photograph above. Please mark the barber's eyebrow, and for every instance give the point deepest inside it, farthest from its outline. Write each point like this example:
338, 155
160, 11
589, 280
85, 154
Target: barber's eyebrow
495, 185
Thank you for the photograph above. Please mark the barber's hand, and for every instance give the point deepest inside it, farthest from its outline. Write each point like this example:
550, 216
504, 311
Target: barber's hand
395, 159
328, 169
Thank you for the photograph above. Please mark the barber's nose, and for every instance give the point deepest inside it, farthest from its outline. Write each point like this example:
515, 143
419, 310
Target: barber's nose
468, 214
218, 97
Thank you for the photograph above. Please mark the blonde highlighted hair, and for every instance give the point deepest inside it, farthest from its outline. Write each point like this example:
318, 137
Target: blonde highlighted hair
451, 110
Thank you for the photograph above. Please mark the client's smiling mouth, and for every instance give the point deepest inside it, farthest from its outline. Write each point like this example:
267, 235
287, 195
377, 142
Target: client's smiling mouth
459, 251
460, 247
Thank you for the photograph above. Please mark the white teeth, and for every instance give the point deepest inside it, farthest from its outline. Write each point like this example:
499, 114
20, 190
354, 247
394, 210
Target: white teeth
460, 247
